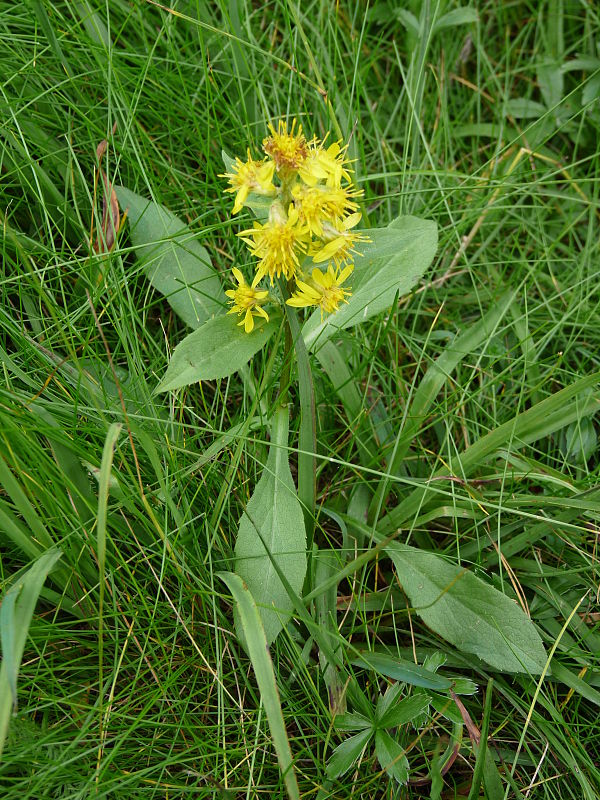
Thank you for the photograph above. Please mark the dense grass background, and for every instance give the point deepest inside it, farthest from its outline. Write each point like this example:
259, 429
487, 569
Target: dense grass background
488, 127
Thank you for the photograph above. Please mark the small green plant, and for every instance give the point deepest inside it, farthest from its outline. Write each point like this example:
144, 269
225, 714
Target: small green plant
392, 710
311, 255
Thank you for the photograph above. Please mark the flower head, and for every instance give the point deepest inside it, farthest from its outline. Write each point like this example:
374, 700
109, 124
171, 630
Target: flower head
250, 176
324, 290
313, 211
247, 300
277, 243
325, 164
321, 203
288, 150
340, 242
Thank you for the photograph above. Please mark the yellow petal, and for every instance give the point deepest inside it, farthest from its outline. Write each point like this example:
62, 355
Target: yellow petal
345, 273
238, 276
262, 312
307, 289
318, 277
299, 302
352, 220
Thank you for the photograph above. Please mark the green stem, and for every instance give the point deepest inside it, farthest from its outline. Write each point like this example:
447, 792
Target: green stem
307, 437
286, 372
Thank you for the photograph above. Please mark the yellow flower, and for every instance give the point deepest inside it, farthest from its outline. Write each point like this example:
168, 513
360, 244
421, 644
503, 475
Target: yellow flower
288, 150
250, 176
340, 242
325, 164
246, 300
311, 171
317, 204
277, 243
325, 290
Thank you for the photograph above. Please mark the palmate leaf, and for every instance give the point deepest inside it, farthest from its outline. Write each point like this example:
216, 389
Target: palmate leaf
389, 267
176, 264
346, 753
391, 756
470, 614
272, 529
395, 709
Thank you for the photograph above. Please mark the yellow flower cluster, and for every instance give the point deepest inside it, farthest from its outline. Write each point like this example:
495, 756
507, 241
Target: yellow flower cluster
312, 216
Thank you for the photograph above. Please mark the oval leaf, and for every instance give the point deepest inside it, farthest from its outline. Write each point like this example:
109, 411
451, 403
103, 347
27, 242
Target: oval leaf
473, 616
216, 350
175, 262
458, 16
390, 266
272, 530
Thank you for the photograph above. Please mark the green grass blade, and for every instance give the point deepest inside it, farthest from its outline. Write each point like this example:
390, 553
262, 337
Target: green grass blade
38, 8
431, 384
256, 643
16, 612
541, 420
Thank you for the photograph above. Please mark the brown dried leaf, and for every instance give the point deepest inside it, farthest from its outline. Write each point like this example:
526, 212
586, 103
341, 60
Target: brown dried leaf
111, 215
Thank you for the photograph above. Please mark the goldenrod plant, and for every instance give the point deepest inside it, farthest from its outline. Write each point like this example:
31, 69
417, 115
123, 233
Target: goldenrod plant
312, 273
295, 498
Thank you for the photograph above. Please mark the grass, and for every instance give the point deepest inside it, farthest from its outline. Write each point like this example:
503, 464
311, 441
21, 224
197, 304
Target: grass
489, 128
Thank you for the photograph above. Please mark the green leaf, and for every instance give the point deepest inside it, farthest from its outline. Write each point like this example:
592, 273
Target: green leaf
258, 650
585, 63
458, 16
391, 757
573, 681
393, 712
174, 261
410, 22
522, 108
390, 266
591, 91
352, 722
401, 670
347, 753
272, 529
579, 440
550, 78
470, 614
16, 611
216, 350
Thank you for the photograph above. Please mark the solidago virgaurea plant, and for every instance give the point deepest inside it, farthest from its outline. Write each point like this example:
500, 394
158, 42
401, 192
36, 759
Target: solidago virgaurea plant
310, 273
308, 276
